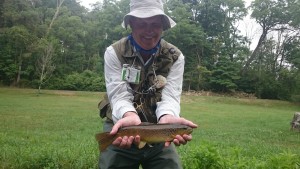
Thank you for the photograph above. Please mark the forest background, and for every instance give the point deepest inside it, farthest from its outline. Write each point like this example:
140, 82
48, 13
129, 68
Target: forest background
59, 44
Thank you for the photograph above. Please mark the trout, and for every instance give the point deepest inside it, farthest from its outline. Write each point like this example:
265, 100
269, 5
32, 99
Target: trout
149, 133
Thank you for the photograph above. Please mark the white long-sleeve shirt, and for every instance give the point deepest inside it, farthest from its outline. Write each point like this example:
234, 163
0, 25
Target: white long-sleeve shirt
121, 99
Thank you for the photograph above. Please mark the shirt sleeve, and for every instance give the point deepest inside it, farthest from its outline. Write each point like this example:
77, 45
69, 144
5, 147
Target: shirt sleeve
118, 95
171, 93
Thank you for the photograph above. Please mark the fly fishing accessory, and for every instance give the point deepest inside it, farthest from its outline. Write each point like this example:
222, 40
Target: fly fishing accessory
140, 107
159, 82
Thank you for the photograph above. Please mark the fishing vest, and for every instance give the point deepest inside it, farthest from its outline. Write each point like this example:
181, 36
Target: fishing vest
145, 97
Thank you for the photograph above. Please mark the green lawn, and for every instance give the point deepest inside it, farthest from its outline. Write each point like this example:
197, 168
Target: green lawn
56, 130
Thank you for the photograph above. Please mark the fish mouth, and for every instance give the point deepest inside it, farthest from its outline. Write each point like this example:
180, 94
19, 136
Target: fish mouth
188, 130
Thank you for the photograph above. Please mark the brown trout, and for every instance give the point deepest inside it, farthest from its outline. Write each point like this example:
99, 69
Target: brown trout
149, 133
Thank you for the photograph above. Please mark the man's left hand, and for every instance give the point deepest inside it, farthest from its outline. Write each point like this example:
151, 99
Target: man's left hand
178, 139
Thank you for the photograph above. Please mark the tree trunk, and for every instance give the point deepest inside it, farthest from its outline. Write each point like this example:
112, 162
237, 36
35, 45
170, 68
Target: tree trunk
18, 78
59, 3
39, 91
256, 50
19, 74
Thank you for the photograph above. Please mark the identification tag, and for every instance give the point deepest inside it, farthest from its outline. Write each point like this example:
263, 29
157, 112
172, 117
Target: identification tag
131, 74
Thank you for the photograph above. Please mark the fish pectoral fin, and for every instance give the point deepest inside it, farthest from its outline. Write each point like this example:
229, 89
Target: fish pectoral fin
142, 144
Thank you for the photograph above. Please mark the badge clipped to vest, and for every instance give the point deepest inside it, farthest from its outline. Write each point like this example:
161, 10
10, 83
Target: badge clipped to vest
131, 74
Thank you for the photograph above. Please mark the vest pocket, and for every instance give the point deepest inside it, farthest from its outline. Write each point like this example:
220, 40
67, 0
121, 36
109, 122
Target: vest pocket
105, 108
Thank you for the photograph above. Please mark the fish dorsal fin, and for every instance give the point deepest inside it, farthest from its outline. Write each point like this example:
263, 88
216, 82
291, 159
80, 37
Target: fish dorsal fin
142, 144
145, 124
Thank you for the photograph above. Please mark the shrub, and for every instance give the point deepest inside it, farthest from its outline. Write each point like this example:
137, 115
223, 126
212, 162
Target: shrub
208, 156
85, 81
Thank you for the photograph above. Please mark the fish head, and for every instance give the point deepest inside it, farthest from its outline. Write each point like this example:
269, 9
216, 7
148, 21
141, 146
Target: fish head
189, 130
185, 130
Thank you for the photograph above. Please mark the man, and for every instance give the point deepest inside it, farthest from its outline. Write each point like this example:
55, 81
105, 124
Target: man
144, 77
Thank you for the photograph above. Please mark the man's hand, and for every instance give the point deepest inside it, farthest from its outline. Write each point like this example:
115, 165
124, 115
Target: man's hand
129, 119
178, 139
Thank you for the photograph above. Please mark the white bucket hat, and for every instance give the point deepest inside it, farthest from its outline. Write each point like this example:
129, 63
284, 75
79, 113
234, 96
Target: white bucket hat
146, 9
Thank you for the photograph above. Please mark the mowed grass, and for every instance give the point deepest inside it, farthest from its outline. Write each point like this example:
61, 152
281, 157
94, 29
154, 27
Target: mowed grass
253, 132
259, 127
56, 130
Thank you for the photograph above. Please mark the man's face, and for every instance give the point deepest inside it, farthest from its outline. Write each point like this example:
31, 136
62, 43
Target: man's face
146, 31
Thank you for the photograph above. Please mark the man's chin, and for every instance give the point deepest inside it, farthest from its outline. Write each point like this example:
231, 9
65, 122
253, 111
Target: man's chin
148, 46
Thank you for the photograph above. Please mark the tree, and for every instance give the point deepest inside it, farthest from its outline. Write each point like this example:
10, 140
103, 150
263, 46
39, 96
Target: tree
270, 15
215, 53
58, 6
1, 14
206, 32
189, 37
224, 76
271, 56
44, 64
19, 42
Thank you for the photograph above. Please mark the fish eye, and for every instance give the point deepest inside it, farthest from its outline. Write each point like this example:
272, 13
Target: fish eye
186, 127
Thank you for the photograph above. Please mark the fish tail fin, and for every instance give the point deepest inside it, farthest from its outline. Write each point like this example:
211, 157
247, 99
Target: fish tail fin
104, 140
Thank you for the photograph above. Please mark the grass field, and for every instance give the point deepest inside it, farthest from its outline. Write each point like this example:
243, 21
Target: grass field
56, 130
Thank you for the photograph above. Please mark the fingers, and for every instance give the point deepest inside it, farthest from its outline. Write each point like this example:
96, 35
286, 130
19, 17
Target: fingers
187, 122
180, 140
137, 140
117, 141
187, 137
126, 142
123, 142
167, 144
129, 119
116, 127
172, 119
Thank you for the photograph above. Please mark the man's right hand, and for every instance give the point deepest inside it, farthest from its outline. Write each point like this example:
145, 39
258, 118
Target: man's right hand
129, 119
